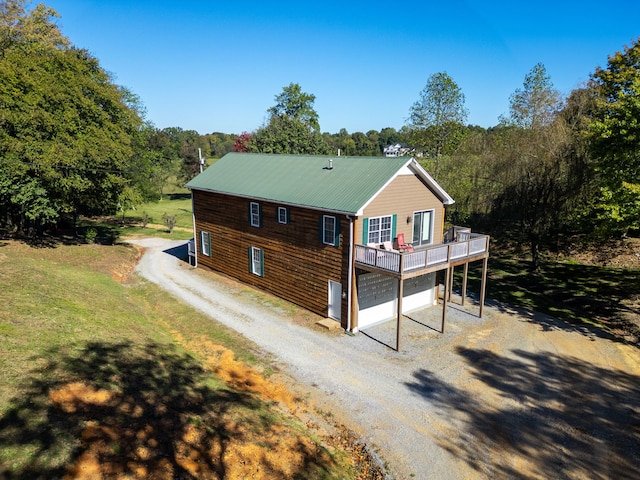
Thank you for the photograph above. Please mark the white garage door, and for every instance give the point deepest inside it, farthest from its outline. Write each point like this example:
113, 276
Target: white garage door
418, 292
377, 296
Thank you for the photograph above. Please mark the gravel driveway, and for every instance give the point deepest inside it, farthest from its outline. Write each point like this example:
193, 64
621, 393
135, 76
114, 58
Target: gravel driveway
511, 395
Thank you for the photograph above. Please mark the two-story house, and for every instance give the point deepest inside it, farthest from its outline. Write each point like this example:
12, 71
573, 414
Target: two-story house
322, 231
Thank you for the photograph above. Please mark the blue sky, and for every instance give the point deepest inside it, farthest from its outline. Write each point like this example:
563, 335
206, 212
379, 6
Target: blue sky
217, 65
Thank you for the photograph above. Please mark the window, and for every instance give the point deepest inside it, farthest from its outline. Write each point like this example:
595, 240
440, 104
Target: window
255, 214
256, 261
205, 243
380, 229
330, 230
422, 227
283, 215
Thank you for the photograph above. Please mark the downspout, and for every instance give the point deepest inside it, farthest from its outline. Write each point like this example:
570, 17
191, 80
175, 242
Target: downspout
350, 280
195, 239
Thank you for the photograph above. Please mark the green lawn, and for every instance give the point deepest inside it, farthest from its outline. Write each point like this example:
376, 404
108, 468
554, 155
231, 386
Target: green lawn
102, 370
109, 229
178, 205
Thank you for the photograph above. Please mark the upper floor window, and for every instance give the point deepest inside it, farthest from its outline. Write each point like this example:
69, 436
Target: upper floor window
255, 214
380, 229
283, 215
330, 230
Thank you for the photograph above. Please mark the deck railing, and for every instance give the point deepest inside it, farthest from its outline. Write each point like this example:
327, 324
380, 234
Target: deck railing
424, 257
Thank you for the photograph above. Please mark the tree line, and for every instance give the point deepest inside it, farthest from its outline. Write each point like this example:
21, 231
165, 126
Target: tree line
551, 168
74, 143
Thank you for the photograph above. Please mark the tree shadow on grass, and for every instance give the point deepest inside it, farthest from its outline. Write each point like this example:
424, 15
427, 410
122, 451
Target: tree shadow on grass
540, 416
591, 300
120, 410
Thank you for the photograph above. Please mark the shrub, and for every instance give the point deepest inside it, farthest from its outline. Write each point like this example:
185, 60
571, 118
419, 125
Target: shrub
90, 235
169, 221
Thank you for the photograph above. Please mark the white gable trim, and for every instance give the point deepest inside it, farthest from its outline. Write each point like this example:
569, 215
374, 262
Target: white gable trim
444, 196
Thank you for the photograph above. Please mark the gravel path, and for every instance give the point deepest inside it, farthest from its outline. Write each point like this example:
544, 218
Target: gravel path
512, 395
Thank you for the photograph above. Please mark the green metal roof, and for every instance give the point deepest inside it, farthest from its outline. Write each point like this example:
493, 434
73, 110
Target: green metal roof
304, 180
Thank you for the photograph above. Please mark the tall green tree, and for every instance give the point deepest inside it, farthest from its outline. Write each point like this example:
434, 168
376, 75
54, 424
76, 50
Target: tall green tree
539, 175
289, 136
292, 126
615, 139
437, 118
535, 105
66, 130
294, 104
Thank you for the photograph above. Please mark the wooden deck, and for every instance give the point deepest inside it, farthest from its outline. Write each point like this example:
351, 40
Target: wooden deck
459, 247
429, 258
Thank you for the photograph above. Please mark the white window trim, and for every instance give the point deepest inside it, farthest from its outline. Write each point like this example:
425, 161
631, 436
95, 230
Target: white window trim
332, 237
254, 215
205, 244
283, 211
380, 230
257, 264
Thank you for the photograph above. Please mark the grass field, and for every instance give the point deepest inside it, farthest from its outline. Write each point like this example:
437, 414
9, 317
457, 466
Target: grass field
106, 375
108, 229
178, 205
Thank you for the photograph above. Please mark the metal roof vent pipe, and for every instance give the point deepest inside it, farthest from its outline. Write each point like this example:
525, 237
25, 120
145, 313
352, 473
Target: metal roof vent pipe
331, 164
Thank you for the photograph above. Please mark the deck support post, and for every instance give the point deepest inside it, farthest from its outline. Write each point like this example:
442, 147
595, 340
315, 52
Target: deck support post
447, 274
400, 295
464, 281
483, 284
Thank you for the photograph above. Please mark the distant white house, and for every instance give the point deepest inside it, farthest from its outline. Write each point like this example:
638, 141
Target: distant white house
396, 150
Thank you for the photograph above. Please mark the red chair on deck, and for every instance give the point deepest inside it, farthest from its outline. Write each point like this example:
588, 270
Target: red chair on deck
404, 246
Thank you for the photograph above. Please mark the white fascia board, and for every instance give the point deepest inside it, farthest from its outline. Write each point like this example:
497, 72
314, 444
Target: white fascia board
444, 196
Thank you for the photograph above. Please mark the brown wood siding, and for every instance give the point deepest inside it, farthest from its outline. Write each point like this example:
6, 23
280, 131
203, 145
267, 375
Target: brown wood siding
405, 195
297, 265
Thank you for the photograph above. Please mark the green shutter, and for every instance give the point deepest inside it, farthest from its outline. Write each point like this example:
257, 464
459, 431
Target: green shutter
250, 259
321, 229
288, 210
365, 231
336, 232
394, 222
261, 262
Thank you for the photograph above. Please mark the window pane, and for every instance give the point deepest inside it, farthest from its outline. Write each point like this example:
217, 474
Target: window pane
380, 229
256, 255
205, 242
417, 226
255, 214
426, 227
385, 229
329, 230
422, 227
282, 215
